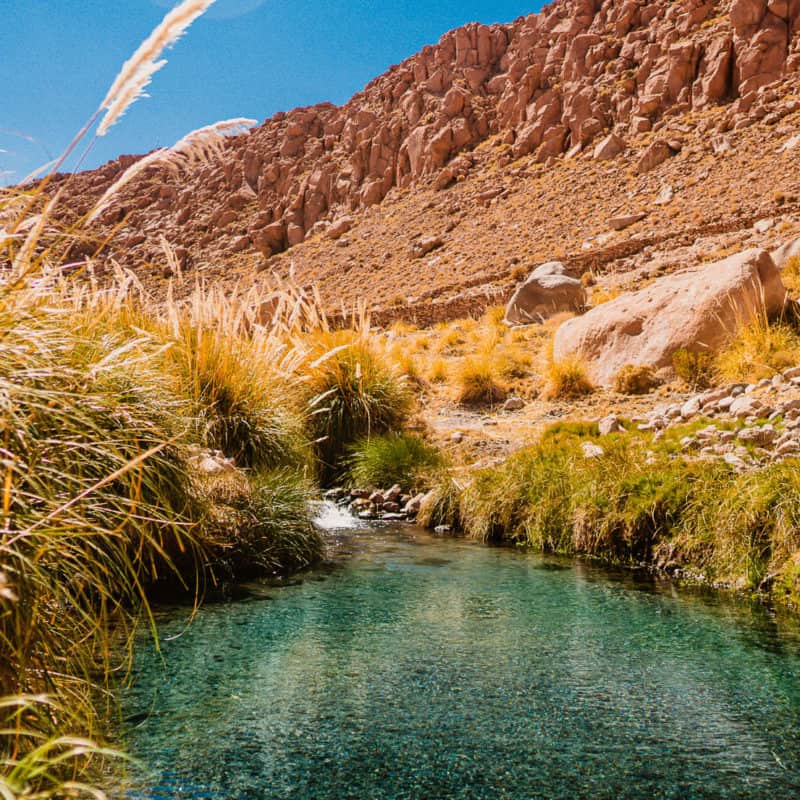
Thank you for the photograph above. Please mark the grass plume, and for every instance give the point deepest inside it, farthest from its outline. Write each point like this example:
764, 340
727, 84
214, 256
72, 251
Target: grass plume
138, 70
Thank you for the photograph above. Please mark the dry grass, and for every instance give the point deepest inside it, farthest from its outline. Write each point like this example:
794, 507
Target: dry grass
478, 382
437, 371
791, 275
759, 350
694, 368
567, 379
634, 380
604, 294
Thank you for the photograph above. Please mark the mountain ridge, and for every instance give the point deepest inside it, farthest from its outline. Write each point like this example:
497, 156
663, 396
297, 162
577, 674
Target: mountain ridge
612, 95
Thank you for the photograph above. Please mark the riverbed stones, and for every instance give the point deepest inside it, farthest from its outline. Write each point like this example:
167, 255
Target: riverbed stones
393, 495
746, 406
690, 408
762, 436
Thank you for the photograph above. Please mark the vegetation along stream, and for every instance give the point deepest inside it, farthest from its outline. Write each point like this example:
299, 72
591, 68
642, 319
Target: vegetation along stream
420, 668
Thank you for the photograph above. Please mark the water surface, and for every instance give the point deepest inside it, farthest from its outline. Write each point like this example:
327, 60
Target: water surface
421, 668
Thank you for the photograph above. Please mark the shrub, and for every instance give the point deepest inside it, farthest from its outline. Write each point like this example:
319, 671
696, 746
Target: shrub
477, 382
352, 394
382, 461
634, 380
261, 526
567, 379
695, 369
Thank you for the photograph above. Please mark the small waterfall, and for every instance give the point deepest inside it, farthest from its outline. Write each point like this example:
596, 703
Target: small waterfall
330, 517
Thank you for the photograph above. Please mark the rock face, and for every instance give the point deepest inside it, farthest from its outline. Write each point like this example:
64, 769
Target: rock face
582, 74
549, 290
785, 252
697, 310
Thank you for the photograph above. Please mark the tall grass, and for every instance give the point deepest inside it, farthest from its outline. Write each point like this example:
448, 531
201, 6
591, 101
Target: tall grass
383, 461
105, 403
351, 394
97, 505
641, 503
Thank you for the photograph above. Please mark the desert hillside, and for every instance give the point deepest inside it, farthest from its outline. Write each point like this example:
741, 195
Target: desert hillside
626, 138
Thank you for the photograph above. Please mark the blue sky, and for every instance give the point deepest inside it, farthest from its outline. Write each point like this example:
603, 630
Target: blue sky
245, 58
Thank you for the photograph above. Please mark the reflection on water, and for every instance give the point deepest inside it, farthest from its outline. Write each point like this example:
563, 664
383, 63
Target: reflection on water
421, 668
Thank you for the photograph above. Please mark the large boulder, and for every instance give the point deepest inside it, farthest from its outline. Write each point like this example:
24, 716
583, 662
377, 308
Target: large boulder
786, 251
548, 290
699, 310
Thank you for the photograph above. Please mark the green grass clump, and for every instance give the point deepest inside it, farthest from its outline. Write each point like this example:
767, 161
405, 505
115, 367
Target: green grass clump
642, 503
261, 525
352, 394
383, 461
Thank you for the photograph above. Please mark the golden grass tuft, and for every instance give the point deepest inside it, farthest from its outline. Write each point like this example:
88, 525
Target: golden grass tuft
478, 382
437, 371
567, 379
759, 350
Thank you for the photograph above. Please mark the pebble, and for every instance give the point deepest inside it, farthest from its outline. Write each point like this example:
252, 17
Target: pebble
734, 461
609, 424
592, 450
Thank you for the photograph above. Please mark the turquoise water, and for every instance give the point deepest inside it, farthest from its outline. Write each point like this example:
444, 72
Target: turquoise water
420, 668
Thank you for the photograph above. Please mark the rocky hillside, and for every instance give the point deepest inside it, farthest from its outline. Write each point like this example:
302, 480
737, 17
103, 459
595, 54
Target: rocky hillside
619, 136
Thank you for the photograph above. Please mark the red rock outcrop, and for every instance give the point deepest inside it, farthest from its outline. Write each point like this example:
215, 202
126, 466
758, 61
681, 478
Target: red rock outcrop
580, 75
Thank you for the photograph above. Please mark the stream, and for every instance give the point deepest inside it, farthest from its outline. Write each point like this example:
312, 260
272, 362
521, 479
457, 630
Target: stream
411, 666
